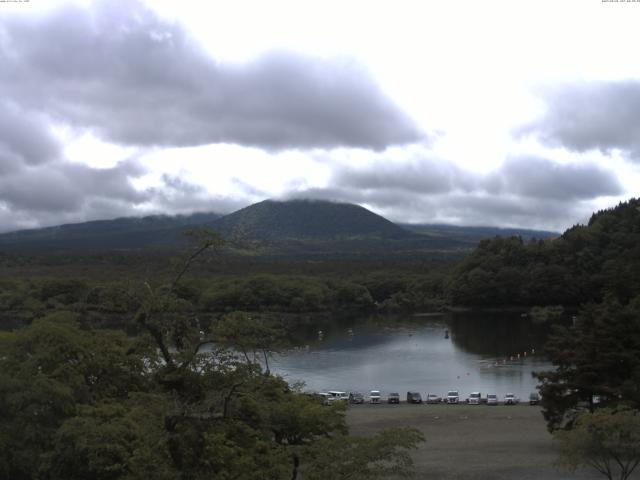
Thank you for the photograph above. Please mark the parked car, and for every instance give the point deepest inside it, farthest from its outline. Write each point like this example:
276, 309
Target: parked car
374, 396
393, 397
492, 399
433, 398
338, 396
453, 396
534, 398
356, 397
414, 397
474, 398
510, 399
324, 397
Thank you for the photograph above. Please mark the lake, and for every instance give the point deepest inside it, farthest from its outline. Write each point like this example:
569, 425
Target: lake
490, 353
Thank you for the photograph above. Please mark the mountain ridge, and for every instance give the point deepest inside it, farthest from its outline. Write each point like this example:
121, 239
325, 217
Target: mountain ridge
295, 226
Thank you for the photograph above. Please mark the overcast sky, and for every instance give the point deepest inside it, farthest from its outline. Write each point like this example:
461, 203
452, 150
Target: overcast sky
502, 113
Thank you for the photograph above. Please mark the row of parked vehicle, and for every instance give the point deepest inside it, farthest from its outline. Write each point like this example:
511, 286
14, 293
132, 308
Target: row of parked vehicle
452, 398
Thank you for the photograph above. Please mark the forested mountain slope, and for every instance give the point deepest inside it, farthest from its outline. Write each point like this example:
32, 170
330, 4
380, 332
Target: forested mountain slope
299, 219
584, 264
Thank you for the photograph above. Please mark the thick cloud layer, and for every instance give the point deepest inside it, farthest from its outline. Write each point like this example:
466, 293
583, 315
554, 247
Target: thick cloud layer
133, 78
116, 70
594, 116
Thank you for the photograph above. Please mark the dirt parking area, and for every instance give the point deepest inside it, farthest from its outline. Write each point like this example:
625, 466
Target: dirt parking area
477, 442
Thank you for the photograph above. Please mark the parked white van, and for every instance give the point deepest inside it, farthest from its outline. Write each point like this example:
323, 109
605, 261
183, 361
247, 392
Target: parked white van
474, 398
453, 397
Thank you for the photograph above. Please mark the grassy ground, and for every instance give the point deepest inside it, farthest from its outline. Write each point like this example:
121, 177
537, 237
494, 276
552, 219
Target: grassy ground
471, 441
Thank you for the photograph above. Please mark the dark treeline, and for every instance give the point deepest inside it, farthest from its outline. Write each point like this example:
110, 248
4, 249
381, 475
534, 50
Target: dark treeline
583, 265
31, 287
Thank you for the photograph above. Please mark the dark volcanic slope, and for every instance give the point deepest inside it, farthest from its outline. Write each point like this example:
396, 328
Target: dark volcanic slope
120, 233
275, 221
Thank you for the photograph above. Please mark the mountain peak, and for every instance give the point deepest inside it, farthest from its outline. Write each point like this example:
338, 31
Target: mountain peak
278, 220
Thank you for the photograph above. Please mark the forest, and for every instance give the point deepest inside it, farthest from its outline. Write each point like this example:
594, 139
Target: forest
129, 365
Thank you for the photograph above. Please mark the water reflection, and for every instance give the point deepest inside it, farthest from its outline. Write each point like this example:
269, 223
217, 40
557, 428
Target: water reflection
499, 333
480, 354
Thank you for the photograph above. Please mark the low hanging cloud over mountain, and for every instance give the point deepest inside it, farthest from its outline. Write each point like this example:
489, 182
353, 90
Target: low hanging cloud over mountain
65, 192
421, 176
58, 192
530, 191
118, 69
530, 177
120, 75
601, 116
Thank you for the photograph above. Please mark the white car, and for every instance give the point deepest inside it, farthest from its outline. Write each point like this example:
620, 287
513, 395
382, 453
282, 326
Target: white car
433, 398
374, 396
453, 397
474, 398
336, 395
492, 399
510, 399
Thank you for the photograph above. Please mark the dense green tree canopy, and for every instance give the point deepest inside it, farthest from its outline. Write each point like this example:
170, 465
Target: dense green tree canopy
607, 441
171, 402
597, 362
584, 265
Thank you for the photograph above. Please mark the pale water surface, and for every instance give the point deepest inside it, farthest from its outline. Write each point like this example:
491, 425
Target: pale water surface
480, 354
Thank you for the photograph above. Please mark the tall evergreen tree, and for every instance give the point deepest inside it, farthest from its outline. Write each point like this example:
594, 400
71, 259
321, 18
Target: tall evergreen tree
597, 360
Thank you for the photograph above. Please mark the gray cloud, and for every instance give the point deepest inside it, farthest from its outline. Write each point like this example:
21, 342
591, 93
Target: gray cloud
593, 116
63, 187
117, 70
524, 192
462, 208
25, 138
62, 192
535, 177
512, 211
531, 177
421, 176
177, 196
133, 78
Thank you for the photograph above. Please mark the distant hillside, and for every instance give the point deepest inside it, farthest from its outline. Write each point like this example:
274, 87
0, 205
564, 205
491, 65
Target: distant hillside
294, 227
120, 233
585, 264
473, 235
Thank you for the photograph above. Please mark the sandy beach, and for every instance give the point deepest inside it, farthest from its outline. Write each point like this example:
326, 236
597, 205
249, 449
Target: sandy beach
476, 442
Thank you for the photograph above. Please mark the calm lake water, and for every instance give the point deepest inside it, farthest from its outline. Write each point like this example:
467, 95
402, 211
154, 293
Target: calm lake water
480, 354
